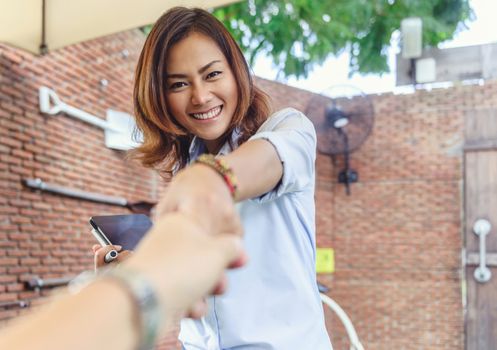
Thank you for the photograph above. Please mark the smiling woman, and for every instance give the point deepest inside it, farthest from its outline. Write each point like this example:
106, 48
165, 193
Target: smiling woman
157, 78
195, 103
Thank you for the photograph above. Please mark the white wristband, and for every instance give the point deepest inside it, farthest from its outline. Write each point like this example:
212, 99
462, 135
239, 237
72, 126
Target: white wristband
146, 304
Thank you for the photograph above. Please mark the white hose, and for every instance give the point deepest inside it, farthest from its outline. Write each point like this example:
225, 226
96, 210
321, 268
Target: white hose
355, 344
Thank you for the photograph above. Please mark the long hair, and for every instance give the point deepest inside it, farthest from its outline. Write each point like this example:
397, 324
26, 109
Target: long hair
165, 142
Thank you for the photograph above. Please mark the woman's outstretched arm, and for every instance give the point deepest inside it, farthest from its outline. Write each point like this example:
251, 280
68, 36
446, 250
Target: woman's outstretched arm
280, 158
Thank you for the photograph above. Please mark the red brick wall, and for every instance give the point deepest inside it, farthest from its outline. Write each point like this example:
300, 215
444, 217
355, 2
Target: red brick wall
397, 238
43, 234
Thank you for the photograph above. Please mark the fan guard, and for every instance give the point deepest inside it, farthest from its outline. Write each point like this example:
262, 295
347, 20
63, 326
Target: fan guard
343, 117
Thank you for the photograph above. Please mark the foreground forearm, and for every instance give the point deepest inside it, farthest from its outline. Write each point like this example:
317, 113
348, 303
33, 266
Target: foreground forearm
103, 312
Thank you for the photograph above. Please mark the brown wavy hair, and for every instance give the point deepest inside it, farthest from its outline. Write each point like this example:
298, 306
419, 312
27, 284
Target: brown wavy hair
165, 142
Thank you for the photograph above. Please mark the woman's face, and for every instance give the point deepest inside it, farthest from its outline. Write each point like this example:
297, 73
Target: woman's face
201, 90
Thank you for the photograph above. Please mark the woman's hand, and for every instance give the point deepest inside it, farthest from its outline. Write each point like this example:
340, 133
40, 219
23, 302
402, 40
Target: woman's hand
99, 253
200, 192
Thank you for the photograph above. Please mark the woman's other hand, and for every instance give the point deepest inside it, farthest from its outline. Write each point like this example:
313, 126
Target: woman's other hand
99, 253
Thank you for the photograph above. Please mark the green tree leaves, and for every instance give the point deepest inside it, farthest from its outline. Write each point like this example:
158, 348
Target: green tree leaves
298, 34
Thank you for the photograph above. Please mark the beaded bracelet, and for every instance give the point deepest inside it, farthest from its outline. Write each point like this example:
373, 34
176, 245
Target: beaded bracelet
222, 169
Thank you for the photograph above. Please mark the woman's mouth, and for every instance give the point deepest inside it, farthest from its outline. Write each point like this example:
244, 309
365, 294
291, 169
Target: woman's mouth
210, 114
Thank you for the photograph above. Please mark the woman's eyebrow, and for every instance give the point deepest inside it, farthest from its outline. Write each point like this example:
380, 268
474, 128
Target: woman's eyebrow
207, 66
200, 71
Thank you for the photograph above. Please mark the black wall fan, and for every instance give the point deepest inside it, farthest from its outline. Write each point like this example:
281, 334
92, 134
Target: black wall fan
343, 117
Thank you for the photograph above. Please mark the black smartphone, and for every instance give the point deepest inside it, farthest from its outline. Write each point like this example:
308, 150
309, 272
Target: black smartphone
123, 230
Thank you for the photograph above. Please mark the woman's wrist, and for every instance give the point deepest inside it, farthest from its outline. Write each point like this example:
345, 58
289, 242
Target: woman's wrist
209, 176
223, 169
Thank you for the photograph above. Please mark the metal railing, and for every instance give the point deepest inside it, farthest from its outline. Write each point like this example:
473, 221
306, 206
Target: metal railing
18, 303
37, 283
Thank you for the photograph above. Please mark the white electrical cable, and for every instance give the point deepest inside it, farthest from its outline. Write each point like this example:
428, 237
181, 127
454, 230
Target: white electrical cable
355, 344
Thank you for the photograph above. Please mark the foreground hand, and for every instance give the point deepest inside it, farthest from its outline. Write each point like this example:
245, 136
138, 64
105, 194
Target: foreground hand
184, 263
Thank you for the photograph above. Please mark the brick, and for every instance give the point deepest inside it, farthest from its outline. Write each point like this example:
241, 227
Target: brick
7, 279
39, 270
6, 227
4, 297
29, 212
41, 253
59, 269
11, 91
17, 270
6, 245
12, 56
15, 287
10, 177
9, 126
16, 253
31, 196
42, 206
20, 220
4, 158
20, 203
8, 210
28, 295
44, 238
22, 154
30, 147
28, 245
12, 108
8, 261
9, 141
29, 261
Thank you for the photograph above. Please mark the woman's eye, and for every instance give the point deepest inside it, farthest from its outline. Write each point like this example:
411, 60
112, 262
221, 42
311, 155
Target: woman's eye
177, 85
213, 74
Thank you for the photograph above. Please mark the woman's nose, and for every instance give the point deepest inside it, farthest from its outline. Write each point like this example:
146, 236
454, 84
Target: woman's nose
201, 95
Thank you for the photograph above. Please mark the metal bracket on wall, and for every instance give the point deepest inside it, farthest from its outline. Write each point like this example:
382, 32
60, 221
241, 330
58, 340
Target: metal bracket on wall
17, 303
37, 283
141, 207
118, 126
70, 192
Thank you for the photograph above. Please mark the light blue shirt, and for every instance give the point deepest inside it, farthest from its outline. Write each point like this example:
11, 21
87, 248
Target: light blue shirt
273, 302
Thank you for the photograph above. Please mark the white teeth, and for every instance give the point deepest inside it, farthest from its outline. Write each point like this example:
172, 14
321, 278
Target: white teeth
210, 114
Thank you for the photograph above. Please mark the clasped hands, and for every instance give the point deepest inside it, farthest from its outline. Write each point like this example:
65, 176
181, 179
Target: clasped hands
198, 205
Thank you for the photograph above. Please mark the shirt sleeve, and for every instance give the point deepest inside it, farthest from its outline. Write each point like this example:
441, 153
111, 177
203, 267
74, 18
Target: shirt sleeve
294, 138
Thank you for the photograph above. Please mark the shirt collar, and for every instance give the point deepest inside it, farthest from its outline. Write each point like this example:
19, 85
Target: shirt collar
197, 146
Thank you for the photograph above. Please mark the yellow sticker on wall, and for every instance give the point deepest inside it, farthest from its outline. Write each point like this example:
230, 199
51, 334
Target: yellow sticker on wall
325, 260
